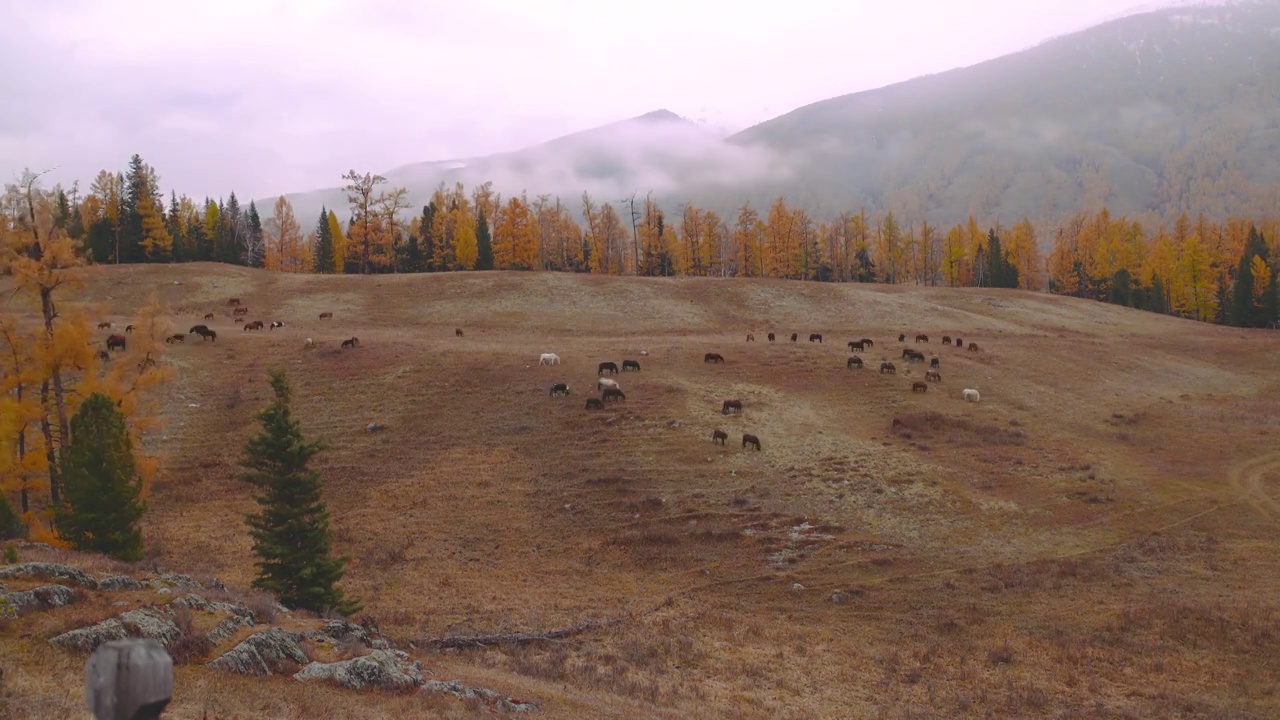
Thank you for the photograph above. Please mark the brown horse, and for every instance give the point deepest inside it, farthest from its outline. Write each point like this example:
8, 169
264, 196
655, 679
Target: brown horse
922, 338
208, 316
594, 404
712, 358
959, 342
326, 316
610, 368
206, 333
351, 343
240, 311
176, 338
104, 325
973, 347
946, 339
115, 341
233, 301
933, 376
750, 440
613, 394
888, 368
816, 337
255, 325
935, 363
731, 406
457, 332
795, 336
854, 362
868, 342
919, 387
771, 337
720, 435
857, 346
128, 328
630, 366
751, 338
902, 337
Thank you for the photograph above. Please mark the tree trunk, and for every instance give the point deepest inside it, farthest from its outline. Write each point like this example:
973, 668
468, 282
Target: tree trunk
50, 454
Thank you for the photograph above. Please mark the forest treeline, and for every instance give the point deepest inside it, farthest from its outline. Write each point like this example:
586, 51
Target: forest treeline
1222, 271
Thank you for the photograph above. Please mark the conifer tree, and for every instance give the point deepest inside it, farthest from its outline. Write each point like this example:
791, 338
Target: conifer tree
484, 242
323, 259
428, 245
291, 533
102, 490
255, 240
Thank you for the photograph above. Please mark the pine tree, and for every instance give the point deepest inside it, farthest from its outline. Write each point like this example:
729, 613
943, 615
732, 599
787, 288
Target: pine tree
428, 246
484, 242
323, 259
102, 490
291, 533
255, 241
411, 255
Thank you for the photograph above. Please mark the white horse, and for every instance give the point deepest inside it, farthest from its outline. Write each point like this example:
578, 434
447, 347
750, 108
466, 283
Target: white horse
971, 395
603, 383
549, 359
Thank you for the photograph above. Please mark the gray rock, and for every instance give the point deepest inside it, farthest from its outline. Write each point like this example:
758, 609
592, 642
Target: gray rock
457, 689
227, 628
388, 670
119, 582
87, 639
198, 602
150, 623
41, 598
141, 623
49, 571
263, 653
174, 580
839, 597
339, 630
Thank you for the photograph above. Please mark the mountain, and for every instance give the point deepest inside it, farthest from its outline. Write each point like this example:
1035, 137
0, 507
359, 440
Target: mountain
1151, 114
1156, 113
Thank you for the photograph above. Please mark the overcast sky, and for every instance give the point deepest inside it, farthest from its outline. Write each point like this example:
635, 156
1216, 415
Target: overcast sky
271, 96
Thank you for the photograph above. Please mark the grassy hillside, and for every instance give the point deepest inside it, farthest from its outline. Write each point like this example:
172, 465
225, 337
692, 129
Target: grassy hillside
1170, 111
1095, 539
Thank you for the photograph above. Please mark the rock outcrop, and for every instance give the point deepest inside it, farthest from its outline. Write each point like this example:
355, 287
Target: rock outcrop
49, 571
457, 689
41, 598
141, 623
263, 653
387, 670
119, 582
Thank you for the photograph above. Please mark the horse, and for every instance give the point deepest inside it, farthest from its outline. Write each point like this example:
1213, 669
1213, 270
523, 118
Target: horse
971, 395
751, 338
104, 325
916, 357
720, 435
868, 342
607, 367
712, 358
559, 389
128, 328
326, 316
603, 383
731, 406
548, 359
815, 337
887, 368
908, 352
594, 404
208, 316
275, 324
795, 336
750, 440
630, 366
959, 343
857, 346
115, 341
103, 355
973, 347
946, 339
457, 332
351, 343
207, 334
176, 338
902, 337
613, 394
933, 376
854, 362
935, 363
922, 338
240, 311
233, 301
255, 325
771, 337
198, 329
919, 387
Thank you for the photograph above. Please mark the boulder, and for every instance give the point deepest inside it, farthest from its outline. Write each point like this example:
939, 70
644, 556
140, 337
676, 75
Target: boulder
198, 602
388, 670
141, 623
41, 598
87, 639
119, 582
263, 653
338, 630
457, 689
49, 571
173, 580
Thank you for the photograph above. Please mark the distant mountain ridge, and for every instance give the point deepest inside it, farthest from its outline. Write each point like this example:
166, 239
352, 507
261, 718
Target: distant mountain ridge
1151, 114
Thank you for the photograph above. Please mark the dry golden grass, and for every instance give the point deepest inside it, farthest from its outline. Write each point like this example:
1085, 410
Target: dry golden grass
1096, 539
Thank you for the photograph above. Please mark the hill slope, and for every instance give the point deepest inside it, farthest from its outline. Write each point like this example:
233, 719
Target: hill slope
1047, 551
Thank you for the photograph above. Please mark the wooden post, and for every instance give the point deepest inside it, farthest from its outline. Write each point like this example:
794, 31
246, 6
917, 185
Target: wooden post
129, 680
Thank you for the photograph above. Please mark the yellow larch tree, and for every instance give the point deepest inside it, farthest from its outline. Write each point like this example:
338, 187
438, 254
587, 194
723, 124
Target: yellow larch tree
284, 246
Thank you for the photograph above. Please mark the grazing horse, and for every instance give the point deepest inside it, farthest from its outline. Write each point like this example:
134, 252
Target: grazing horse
275, 324
630, 366
255, 325
326, 316
915, 357
922, 338
816, 337
176, 338
457, 332
731, 406
208, 316
240, 311
971, 395
973, 347
946, 339
888, 368
771, 337
548, 359
854, 362
128, 328
104, 325
712, 358
607, 367
919, 387
613, 394
902, 337
750, 440
603, 383
933, 376
197, 329
868, 342
206, 333
959, 342
908, 353
594, 404
351, 343
934, 362
857, 346
115, 341
795, 336
751, 338
233, 301
559, 389
720, 435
